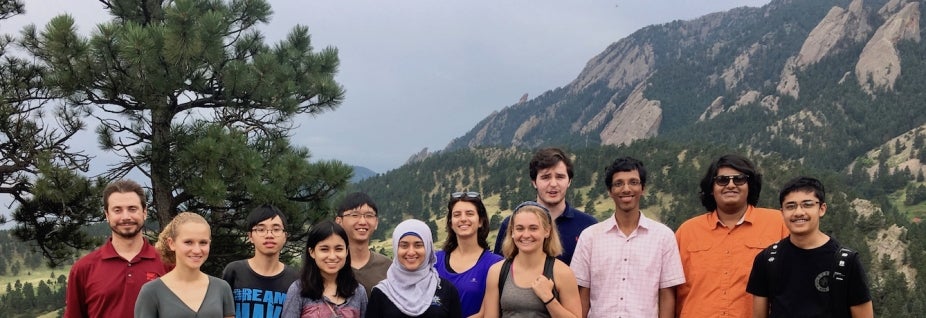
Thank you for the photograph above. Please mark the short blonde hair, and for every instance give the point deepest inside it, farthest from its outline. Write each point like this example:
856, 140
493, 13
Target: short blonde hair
551, 245
170, 232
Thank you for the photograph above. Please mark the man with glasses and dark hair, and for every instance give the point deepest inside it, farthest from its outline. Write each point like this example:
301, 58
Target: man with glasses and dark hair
627, 265
551, 174
717, 247
259, 284
808, 274
358, 215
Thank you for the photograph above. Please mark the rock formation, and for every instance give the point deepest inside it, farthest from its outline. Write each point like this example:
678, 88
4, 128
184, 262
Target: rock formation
879, 64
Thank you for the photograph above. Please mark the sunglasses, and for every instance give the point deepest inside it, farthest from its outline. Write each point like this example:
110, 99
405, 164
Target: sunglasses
470, 194
723, 181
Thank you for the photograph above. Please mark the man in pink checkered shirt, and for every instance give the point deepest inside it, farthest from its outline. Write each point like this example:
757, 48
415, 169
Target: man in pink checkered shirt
627, 265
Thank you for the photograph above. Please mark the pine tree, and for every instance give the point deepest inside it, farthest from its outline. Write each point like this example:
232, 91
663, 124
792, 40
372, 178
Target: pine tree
3, 266
33, 132
194, 100
43, 295
15, 268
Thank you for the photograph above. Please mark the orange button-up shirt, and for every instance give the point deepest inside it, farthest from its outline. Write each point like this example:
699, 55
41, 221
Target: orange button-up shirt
717, 260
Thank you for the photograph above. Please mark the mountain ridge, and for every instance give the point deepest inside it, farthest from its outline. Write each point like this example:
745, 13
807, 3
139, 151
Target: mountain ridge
829, 88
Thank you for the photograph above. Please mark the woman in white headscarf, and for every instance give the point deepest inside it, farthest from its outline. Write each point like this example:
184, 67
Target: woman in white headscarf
412, 287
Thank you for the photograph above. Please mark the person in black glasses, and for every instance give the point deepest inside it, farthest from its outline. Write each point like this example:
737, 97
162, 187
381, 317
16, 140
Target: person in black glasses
808, 274
551, 174
259, 283
465, 258
717, 247
358, 215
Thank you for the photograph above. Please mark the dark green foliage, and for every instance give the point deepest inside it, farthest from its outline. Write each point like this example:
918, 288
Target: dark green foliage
33, 132
674, 171
915, 194
24, 298
194, 100
28, 300
64, 203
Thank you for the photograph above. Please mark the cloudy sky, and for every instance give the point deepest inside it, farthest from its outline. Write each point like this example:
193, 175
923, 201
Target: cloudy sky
420, 73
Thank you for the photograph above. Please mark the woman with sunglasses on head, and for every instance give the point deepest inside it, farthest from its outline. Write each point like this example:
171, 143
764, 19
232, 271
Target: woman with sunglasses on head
326, 287
520, 286
412, 287
465, 258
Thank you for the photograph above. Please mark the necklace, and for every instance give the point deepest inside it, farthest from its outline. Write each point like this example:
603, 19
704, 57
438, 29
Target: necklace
334, 313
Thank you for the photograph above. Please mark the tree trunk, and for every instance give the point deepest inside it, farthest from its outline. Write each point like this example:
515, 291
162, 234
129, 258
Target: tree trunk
160, 166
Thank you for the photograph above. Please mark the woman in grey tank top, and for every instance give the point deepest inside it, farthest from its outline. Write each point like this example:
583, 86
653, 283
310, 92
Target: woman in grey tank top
529, 240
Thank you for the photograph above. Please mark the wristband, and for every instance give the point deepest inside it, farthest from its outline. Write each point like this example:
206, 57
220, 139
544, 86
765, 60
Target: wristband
549, 301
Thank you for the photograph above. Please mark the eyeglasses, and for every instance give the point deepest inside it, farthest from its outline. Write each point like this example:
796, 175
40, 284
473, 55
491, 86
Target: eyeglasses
277, 231
357, 215
458, 195
631, 183
804, 205
723, 181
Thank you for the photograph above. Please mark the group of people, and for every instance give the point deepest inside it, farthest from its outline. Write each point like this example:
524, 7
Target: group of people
549, 259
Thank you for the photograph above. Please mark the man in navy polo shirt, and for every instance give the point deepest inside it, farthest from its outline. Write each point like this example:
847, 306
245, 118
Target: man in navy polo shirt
551, 174
105, 283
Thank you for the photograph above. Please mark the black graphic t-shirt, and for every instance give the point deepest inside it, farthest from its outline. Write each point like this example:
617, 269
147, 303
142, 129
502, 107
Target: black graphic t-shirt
258, 296
802, 285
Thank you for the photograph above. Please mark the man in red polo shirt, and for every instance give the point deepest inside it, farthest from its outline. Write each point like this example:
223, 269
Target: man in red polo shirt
105, 283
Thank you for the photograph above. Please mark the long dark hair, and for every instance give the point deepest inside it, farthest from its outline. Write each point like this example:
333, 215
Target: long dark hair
482, 233
313, 285
735, 162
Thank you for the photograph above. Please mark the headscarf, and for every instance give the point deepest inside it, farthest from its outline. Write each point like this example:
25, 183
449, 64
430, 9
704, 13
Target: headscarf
411, 291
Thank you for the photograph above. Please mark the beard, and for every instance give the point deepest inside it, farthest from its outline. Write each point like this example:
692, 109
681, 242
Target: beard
127, 234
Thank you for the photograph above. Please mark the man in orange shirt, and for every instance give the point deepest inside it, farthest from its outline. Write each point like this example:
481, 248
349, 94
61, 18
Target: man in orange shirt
718, 247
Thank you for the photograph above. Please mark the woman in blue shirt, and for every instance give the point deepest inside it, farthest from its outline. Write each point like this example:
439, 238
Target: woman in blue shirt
465, 258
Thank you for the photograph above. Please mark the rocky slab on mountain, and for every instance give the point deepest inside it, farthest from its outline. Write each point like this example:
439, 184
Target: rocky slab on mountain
637, 118
879, 64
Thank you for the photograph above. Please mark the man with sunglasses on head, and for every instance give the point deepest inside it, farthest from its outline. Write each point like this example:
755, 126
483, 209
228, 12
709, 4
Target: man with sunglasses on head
259, 284
358, 215
808, 274
551, 174
717, 247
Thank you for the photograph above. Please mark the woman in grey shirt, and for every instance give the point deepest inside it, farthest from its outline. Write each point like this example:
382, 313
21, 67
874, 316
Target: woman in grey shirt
531, 239
185, 291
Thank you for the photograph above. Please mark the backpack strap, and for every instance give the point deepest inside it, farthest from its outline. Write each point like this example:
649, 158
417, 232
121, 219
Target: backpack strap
839, 275
502, 277
506, 267
772, 254
548, 272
